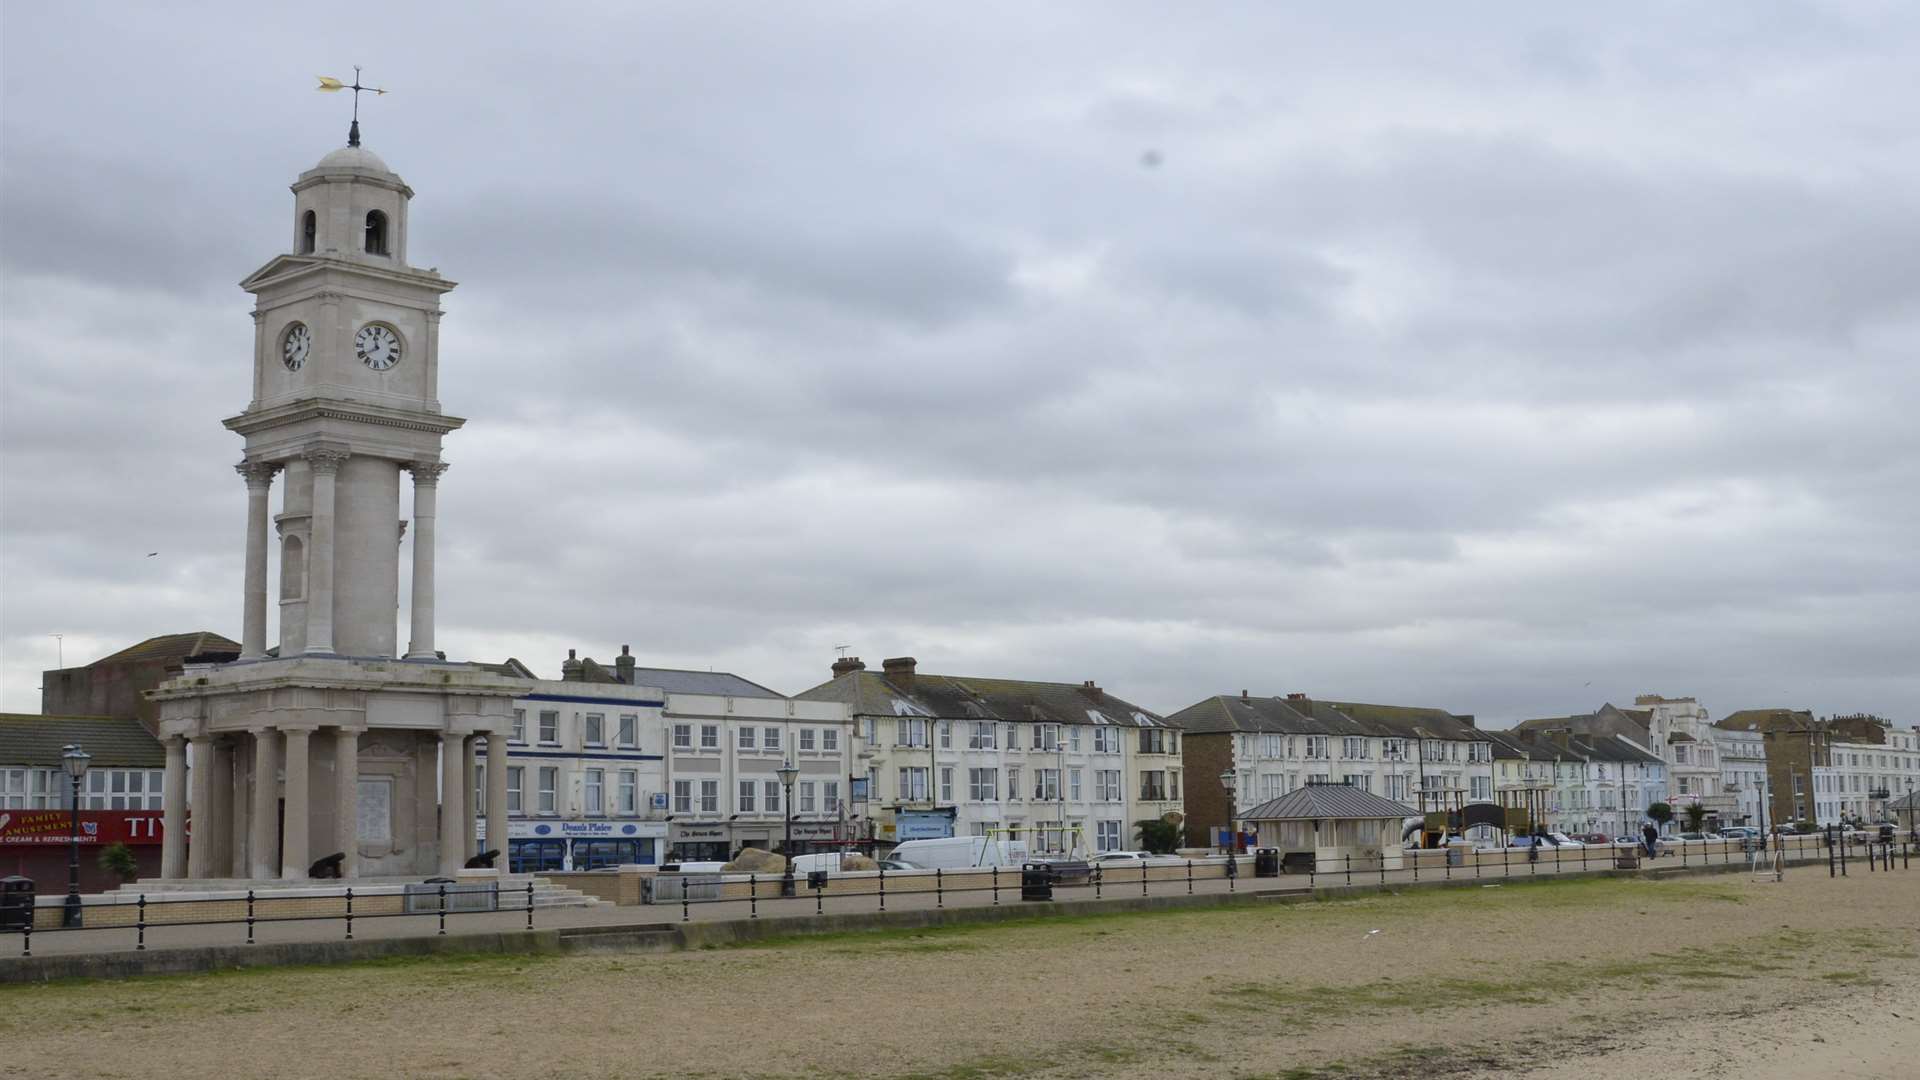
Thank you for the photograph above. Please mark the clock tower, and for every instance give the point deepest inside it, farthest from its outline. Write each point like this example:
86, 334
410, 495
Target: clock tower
345, 398
337, 751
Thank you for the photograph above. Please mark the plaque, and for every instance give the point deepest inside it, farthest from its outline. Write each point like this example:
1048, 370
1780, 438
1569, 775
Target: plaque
376, 811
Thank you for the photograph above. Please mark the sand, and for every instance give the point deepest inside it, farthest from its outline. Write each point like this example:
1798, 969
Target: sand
1696, 977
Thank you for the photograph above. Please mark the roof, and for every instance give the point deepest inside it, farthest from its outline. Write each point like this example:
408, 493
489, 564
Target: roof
955, 697
512, 669
1297, 714
33, 739
1909, 801
722, 683
1540, 745
1320, 802
1606, 720
175, 647
1765, 719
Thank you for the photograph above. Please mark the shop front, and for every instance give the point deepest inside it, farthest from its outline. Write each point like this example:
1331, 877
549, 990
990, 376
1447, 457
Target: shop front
535, 847
34, 843
699, 843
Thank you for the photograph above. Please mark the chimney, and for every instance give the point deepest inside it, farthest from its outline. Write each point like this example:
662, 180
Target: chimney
1467, 719
624, 665
1560, 737
846, 664
1296, 696
899, 671
1093, 691
570, 668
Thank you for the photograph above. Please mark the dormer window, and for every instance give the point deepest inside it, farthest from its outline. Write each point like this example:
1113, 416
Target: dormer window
376, 233
309, 232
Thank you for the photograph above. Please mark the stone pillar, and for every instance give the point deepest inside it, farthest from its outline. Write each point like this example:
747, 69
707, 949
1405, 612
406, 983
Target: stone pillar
426, 486
325, 464
452, 815
294, 858
239, 809
263, 848
200, 848
253, 616
469, 793
497, 796
346, 807
220, 786
173, 811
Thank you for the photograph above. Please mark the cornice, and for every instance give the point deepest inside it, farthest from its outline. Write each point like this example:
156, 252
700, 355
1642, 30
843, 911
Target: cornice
283, 268
256, 420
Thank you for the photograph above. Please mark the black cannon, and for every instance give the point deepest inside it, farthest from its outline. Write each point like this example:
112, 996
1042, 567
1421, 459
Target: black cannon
483, 861
327, 867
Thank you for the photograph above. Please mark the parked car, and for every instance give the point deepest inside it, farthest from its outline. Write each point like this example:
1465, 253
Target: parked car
1126, 856
1594, 839
1739, 832
1563, 840
891, 865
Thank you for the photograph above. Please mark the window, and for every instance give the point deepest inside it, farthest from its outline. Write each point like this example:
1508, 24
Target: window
1107, 786
770, 790
683, 796
1073, 737
596, 729
709, 796
873, 731
519, 726
770, 738
1316, 747
746, 738
1046, 784
596, 787
309, 232
549, 728
805, 791
1482, 788
830, 796
629, 732
1012, 736
1073, 784
1154, 741
709, 736
910, 731
983, 785
830, 740
946, 785
746, 797
1106, 740
1046, 737
806, 740
1153, 785
376, 233
913, 784
515, 777
683, 736
982, 737
1107, 835
629, 791
549, 785
946, 734
1481, 752
1393, 749
1353, 749
1013, 783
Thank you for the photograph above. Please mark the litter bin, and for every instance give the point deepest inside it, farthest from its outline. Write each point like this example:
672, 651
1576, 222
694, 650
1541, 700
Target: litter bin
1036, 881
16, 903
1266, 862
1455, 857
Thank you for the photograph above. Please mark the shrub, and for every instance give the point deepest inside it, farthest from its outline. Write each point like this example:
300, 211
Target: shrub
118, 860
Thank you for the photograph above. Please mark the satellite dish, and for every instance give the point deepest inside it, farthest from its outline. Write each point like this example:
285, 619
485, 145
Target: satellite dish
1174, 817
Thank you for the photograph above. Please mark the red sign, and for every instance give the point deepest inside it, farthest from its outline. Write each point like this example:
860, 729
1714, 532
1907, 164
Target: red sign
51, 827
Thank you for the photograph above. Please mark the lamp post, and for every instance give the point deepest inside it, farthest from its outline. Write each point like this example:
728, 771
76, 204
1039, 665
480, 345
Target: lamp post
787, 773
1227, 781
75, 759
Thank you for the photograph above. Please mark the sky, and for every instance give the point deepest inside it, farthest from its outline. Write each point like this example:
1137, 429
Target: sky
1505, 358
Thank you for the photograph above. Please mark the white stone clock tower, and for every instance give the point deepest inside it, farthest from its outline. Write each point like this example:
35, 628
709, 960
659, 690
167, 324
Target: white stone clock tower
345, 397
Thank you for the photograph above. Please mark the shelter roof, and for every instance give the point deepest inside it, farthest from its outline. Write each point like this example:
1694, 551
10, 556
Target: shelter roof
1323, 802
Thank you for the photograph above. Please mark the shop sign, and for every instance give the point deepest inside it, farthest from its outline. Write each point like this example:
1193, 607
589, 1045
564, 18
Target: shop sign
594, 830
50, 827
699, 832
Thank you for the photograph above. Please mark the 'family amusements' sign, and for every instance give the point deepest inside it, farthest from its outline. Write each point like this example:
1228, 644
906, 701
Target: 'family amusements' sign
51, 827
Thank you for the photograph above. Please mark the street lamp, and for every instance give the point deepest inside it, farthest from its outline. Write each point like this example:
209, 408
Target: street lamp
75, 759
787, 773
1227, 780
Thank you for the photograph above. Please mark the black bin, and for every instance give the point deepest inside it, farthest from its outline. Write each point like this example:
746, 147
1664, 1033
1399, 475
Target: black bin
1266, 862
816, 879
16, 903
1036, 881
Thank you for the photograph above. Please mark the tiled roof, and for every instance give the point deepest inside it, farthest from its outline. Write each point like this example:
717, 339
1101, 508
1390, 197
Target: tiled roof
32, 739
677, 681
1294, 715
1526, 745
971, 698
175, 646
1763, 719
1909, 801
1320, 802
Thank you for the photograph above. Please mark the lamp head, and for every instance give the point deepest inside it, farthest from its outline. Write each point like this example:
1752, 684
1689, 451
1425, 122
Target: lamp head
75, 759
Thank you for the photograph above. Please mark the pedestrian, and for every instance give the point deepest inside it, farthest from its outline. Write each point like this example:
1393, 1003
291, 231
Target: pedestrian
1652, 836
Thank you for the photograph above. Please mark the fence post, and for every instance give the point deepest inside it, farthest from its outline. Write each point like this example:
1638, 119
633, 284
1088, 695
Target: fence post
686, 910
249, 916
939, 896
1416, 865
1143, 879
820, 901
883, 888
1096, 882
141, 925
529, 904
1349, 867
996, 883
753, 897
1189, 877
26, 935
349, 913
443, 909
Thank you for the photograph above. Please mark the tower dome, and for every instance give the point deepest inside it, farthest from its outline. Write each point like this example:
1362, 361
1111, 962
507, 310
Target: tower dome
357, 158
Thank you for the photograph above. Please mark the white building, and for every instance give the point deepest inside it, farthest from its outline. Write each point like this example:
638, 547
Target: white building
1064, 766
586, 777
1861, 778
1596, 784
1743, 775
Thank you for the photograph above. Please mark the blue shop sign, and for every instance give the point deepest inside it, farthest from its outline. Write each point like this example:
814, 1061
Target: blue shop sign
923, 824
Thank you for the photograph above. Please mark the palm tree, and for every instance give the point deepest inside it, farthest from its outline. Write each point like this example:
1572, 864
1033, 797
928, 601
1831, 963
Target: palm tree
1696, 815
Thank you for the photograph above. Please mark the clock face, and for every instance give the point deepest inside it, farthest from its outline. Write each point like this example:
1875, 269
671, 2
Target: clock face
294, 346
377, 346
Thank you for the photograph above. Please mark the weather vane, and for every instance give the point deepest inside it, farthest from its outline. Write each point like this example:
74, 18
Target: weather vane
330, 84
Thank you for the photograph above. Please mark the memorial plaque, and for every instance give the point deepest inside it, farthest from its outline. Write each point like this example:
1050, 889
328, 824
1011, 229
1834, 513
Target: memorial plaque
376, 811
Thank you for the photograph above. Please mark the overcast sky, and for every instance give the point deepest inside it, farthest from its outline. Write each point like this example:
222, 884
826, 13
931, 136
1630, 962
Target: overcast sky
1505, 358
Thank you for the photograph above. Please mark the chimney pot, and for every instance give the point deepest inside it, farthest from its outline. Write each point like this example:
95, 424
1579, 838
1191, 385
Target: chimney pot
1296, 696
900, 669
846, 664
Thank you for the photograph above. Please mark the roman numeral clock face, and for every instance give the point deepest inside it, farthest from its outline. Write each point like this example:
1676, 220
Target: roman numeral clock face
377, 346
295, 345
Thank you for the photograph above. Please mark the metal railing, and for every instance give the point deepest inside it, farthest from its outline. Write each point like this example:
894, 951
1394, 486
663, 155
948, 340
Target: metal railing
256, 901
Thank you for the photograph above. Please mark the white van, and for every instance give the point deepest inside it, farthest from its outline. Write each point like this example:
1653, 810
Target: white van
819, 860
960, 852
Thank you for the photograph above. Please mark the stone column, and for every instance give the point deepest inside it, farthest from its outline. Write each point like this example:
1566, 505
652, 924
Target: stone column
173, 811
200, 848
253, 616
469, 793
262, 849
239, 810
346, 807
497, 796
325, 464
426, 486
220, 786
294, 858
452, 815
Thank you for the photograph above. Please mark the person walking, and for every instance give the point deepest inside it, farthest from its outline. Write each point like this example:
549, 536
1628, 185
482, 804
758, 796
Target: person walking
1652, 836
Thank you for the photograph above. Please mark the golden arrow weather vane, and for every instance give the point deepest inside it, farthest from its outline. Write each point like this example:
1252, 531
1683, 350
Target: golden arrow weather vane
329, 84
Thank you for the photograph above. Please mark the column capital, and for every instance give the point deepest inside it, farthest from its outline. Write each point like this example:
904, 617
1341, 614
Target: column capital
426, 473
257, 473
325, 460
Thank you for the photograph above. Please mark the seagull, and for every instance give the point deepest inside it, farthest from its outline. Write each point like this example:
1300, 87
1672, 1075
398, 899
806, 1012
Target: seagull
151, 554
